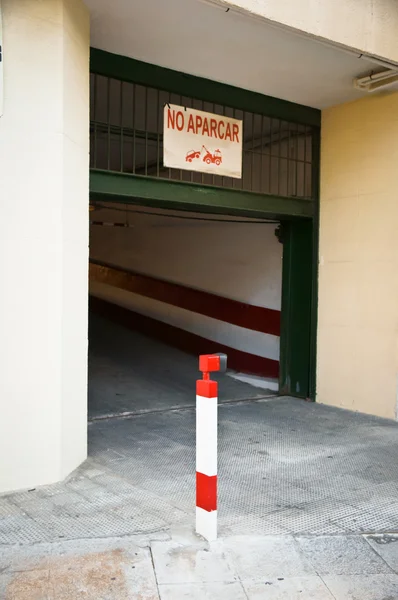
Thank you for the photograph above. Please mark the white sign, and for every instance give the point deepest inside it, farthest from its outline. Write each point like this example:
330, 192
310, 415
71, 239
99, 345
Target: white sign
1, 65
199, 141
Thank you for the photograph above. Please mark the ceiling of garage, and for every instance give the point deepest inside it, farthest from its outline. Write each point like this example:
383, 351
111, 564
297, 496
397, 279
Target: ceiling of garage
201, 39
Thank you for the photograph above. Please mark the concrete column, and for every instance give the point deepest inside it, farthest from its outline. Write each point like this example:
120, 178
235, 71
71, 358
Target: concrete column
358, 274
44, 168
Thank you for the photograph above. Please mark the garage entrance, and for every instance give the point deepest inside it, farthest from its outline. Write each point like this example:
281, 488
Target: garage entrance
183, 285
209, 262
184, 263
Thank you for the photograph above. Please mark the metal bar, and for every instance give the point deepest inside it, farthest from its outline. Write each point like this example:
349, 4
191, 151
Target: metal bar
108, 116
223, 178
180, 169
241, 187
279, 157
95, 92
146, 130
158, 136
308, 143
134, 108
213, 176
127, 131
288, 160
163, 140
191, 178
121, 128
305, 166
244, 152
270, 158
202, 174
296, 154
261, 153
233, 180
252, 156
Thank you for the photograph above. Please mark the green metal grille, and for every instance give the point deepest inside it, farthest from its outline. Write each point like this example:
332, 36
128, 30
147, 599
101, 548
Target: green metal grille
126, 135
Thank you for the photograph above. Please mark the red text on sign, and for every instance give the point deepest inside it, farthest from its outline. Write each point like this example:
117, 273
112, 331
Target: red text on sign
205, 126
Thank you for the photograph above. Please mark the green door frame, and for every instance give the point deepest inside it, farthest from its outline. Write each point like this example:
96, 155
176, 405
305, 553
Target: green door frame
299, 316
297, 272
299, 217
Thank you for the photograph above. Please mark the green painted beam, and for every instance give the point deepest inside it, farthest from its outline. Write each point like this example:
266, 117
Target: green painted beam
135, 71
177, 195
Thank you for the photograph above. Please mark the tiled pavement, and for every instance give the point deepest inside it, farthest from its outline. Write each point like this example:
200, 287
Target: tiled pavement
184, 567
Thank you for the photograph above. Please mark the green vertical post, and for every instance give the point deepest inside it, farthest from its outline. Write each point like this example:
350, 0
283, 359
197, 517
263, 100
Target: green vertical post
297, 300
316, 158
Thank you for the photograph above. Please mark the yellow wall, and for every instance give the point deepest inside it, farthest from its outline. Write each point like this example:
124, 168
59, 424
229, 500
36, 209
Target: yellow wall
358, 256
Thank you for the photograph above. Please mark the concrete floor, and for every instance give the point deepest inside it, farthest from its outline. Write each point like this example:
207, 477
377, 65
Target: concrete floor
285, 466
308, 503
129, 372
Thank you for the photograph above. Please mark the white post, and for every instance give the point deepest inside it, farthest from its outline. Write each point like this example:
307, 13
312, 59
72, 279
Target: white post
206, 446
206, 459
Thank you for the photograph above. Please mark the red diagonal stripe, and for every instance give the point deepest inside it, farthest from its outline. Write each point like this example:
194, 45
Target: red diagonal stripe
256, 318
184, 340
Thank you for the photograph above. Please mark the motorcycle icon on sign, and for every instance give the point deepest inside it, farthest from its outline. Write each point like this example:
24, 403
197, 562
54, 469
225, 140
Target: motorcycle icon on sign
208, 157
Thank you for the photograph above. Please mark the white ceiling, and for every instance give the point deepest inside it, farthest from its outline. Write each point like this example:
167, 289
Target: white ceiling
204, 40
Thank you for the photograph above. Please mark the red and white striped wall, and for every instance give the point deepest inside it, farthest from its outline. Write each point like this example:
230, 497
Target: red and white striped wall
211, 281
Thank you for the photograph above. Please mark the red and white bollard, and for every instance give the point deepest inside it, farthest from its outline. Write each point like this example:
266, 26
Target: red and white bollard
206, 445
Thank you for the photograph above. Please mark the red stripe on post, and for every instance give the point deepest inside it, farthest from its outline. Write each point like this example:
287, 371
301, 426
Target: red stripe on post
206, 492
206, 389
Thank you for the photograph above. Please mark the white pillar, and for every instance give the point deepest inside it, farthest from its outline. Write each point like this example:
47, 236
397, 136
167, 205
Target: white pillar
44, 147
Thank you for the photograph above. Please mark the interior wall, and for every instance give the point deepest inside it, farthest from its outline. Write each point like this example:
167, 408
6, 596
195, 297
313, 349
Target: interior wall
233, 260
358, 266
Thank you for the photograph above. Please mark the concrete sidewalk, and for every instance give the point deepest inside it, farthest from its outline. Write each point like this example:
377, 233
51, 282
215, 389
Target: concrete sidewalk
181, 566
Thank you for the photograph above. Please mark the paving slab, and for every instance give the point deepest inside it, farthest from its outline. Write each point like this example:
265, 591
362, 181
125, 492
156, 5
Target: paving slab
177, 563
93, 570
202, 591
387, 547
24, 558
238, 568
363, 587
342, 555
291, 588
264, 558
